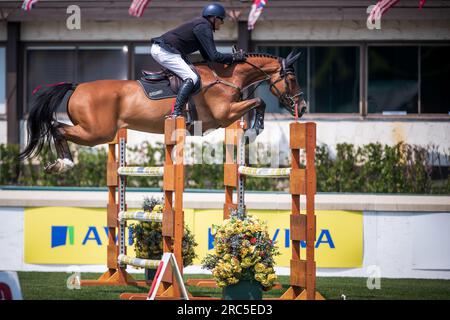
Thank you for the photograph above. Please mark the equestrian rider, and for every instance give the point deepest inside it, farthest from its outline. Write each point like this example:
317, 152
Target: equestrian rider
171, 49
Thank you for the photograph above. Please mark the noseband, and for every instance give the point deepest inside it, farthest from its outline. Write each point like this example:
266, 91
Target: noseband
285, 98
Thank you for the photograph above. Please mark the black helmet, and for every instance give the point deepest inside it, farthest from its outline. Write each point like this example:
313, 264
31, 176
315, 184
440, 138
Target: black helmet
214, 10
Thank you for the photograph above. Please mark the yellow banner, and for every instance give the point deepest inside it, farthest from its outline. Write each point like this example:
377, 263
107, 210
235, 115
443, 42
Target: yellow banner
339, 236
65, 235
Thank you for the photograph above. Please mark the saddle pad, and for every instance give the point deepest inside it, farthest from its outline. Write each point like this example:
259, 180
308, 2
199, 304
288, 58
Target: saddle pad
158, 89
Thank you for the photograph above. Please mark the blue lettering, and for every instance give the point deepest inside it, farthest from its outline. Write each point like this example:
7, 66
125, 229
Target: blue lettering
325, 233
130, 236
287, 240
274, 238
96, 237
107, 234
287, 235
210, 240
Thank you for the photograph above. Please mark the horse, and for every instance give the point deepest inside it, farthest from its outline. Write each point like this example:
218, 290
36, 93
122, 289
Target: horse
99, 108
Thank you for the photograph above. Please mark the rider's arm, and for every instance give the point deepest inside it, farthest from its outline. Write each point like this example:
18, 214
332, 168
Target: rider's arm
208, 47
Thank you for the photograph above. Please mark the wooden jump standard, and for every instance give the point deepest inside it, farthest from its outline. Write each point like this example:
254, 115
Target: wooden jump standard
172, 218
302, 182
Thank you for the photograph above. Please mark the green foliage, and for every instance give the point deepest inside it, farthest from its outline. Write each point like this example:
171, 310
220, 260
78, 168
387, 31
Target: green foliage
90, 170
9, 169
145, 155
372, 168
148, 240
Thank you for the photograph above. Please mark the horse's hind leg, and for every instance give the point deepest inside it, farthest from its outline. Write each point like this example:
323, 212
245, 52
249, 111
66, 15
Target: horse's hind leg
64, 162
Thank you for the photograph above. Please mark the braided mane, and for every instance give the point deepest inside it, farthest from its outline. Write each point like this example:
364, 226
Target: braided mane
261, 55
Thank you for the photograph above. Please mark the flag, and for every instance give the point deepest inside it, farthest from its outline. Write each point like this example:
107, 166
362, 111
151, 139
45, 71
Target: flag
28, 4
380, 8
255, 12
384, 5
137, 7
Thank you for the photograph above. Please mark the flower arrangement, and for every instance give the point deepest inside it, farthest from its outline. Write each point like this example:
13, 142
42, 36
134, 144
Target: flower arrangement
147, 236
243, 250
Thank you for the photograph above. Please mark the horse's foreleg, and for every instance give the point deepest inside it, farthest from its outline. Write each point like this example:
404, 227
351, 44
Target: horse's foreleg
238, 109
259, 117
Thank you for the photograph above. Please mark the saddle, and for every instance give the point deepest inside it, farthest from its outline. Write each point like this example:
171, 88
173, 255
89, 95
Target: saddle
164, 84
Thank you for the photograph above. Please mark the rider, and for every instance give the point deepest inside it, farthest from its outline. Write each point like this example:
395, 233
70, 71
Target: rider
171, 49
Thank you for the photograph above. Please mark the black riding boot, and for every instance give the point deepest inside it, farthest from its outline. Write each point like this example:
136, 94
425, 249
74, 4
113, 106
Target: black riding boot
182, 97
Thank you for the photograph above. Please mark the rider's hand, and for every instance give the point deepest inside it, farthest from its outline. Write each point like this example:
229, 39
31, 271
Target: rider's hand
239, 56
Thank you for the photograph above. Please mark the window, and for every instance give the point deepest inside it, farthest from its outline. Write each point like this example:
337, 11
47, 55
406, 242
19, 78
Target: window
393, 79
143, 60
2, 80
96, 63
329, 77
334, 80
434, 79
47, 65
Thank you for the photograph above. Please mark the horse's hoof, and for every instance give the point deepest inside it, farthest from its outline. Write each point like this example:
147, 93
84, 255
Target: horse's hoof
59, 166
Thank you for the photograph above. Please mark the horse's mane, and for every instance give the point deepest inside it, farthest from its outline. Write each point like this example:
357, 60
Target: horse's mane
261, 55
249, 55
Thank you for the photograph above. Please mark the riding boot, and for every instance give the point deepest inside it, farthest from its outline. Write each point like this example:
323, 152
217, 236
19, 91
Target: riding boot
182, 97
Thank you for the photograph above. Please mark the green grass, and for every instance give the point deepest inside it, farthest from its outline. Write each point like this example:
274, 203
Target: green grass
52, 286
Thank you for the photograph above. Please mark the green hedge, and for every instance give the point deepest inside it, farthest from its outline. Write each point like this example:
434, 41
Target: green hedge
372, 168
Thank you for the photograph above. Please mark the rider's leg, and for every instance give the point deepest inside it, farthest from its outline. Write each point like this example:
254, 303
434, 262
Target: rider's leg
177, 65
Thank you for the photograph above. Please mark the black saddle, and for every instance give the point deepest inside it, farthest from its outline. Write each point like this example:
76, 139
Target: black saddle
164, 84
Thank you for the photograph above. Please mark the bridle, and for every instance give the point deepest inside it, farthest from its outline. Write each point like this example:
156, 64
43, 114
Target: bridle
287, 99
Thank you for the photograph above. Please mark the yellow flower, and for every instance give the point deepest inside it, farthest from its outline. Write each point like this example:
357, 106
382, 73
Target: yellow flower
246, 262
260, 277
268, 270
271, 277
259, 267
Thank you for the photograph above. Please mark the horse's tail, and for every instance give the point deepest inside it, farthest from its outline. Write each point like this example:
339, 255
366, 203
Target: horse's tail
41, 119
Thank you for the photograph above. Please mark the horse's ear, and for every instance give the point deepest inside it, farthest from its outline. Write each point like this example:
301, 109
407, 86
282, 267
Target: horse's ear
289, 55
291, 58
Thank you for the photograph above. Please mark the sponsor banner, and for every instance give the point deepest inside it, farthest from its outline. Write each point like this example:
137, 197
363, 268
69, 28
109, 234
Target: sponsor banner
339, 236
66, 235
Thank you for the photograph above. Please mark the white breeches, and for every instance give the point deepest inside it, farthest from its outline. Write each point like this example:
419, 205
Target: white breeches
173, 62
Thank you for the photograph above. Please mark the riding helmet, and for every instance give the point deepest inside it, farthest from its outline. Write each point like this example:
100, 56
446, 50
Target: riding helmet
214, 10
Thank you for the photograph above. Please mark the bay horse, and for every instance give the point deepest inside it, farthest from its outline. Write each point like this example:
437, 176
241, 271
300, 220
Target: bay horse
98, 109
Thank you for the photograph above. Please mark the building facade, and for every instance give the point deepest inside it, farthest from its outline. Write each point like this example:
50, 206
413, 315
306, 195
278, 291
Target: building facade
363, 84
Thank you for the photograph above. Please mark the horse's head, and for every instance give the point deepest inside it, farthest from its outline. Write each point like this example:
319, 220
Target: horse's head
284, 86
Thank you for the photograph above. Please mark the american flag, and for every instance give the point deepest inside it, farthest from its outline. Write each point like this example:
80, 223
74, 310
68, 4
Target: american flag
255, 12
28, 4
137, 8
384, 5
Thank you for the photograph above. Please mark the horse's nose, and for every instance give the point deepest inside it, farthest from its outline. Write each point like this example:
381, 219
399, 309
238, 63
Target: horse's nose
302, 103
302, 107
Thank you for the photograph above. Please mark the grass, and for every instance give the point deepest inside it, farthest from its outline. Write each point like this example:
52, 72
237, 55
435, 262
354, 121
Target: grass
52, 286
